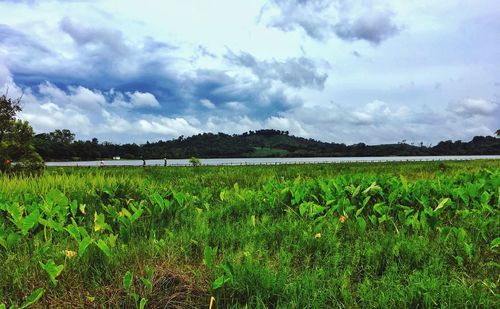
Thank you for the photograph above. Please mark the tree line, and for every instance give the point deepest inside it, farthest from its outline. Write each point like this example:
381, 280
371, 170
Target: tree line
21, 149
61, 145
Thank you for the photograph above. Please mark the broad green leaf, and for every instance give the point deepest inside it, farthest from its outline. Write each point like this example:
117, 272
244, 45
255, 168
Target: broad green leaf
74, 207
73, 231
81, 207
127, 280
468, 249
2, 306
303, 208
366, 200
209, 255
218, 283
362, 224
356, 192
30, 221
52, 269
149, 272
136, 215
3, 242
143, 302
112, 240
495, 243
104, 247
57, 197
33, 298
99, 223
442, 203
82, 246
147, 283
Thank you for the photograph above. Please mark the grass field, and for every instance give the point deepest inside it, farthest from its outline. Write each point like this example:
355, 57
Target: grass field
385, 235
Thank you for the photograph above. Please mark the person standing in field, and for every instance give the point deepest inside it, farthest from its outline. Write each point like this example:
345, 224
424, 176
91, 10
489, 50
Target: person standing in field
7, 164
164, 161
143, 162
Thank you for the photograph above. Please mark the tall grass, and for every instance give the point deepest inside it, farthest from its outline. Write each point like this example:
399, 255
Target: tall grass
300, 236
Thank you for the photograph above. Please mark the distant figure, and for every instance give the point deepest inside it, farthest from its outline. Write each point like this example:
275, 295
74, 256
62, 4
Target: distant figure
143, 162
7, 164
165, 162
101, 164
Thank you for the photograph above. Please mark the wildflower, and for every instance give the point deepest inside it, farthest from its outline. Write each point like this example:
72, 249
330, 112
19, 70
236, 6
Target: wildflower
70, 254
343, 218
317, 236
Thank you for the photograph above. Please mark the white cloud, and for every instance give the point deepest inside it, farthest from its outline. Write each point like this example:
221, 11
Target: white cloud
171, 67
473, 107
207, 103
143, 99
168, 126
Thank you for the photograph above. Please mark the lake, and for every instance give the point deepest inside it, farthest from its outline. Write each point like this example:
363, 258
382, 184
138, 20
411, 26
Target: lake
269, 161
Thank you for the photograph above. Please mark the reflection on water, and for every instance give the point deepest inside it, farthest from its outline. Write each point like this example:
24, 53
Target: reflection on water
267, 161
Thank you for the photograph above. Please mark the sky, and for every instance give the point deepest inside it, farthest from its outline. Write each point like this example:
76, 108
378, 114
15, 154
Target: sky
333, 70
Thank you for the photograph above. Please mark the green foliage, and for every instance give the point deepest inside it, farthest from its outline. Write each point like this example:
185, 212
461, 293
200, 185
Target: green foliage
348, 235
127, 280
52, 269
33, 298
17, 153
195, 161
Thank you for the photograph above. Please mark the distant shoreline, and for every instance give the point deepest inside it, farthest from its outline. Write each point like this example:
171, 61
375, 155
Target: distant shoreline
271, 161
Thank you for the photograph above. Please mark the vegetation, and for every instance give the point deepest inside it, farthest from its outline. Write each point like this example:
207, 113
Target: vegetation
16, 140
388, 235
195, 161
260, 143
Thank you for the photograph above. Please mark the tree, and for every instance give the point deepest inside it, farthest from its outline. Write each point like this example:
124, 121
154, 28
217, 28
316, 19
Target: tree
62, 136
497, 133
16, 140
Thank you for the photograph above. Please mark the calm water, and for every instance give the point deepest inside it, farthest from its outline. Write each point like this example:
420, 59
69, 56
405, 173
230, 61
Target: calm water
268, 161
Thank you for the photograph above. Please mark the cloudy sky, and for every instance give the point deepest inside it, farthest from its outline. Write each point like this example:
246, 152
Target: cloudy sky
335, 70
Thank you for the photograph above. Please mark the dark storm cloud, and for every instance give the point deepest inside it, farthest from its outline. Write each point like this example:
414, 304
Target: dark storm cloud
304, 14
109, 39
374, 26
297, 72
103, 59
12, 37
221, 88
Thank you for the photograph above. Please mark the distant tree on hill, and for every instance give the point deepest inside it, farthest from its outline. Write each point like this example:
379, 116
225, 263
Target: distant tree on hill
497, 133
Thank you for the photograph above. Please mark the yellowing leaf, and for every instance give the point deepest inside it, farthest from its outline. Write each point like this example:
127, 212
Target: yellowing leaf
99, 223
70, 254
212, 302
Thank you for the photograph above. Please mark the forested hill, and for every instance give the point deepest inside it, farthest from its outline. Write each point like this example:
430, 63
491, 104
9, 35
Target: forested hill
60, 145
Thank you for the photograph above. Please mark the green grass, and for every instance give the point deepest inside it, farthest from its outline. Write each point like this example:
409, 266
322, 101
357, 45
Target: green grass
384, 235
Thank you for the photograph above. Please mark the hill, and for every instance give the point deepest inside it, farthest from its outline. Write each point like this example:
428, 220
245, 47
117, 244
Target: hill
60, 145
